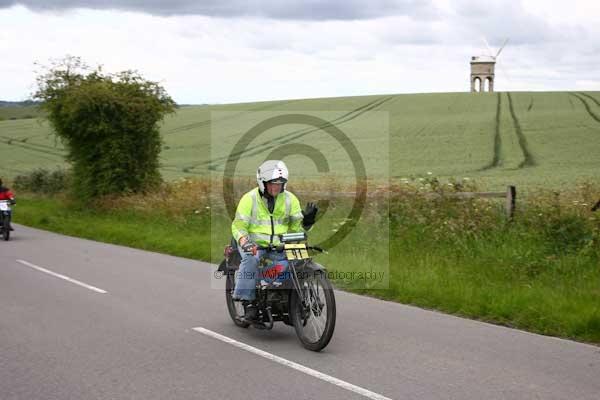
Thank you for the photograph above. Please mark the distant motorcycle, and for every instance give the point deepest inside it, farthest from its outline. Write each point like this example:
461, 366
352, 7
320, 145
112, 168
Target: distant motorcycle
294, 290
5, 216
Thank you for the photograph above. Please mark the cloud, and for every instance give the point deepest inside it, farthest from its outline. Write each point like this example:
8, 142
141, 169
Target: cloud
496, 20
273, 9
234, 58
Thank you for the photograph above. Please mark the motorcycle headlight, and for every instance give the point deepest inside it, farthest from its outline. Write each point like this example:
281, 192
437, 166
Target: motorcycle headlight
293, 237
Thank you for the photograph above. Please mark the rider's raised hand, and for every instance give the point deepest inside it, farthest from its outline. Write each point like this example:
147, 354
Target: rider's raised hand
309, 213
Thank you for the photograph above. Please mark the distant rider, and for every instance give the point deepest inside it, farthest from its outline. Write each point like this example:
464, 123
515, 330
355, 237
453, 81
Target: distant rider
6, 194
262, 214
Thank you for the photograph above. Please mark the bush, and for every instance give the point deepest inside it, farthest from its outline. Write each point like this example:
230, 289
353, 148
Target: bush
43, 181
109, 125
568, 233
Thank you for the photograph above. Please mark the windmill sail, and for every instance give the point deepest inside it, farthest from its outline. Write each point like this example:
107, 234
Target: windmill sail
501, 48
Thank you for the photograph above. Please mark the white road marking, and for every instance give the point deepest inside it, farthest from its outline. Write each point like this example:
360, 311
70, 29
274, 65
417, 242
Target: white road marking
296, 366
66, 278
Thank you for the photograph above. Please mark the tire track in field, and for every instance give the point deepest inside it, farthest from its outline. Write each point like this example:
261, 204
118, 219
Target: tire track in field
184, 128
592, 98
528, 160
179, 171
530, 105
305, 131
37, 152
27, 146
586, 105
284, 139
497, 159
37, 146
262, 147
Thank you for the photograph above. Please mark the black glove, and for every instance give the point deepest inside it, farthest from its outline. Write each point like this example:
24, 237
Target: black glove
249, 247
13, 202
309, 214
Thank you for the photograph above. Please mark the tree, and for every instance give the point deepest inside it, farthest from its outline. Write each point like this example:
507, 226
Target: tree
108, 123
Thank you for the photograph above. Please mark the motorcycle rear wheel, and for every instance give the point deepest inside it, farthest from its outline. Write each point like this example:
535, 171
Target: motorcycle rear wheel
314, 321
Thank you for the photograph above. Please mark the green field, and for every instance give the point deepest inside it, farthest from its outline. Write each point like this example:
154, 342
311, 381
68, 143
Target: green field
548, 139
19, 112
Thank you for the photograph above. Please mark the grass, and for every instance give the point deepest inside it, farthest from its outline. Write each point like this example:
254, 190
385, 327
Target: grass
539, 273
541, 139
498, 279
146, 231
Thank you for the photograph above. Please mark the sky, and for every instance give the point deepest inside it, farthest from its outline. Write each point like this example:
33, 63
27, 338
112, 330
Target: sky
230, 51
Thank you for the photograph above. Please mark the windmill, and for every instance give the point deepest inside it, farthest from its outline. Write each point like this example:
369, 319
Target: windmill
482, 69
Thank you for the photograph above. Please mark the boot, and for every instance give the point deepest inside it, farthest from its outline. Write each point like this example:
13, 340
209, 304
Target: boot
250, 311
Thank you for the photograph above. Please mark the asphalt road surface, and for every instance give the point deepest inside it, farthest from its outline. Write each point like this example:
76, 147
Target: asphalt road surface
86, 320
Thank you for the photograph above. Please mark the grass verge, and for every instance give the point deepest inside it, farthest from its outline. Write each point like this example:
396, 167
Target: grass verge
182, 237
540, 272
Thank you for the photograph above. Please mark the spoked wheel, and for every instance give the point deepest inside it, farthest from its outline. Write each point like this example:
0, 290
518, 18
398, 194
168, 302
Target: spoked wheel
236, 309
6, 228
314, 320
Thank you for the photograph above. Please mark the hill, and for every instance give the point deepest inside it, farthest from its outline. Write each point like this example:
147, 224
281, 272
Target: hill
546, 139
18, 103
12, 110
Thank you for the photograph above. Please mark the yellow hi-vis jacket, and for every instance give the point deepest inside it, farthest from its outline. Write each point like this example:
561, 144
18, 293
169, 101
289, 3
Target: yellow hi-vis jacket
253, 219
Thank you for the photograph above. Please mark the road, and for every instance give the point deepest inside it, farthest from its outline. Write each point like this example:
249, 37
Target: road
131, 324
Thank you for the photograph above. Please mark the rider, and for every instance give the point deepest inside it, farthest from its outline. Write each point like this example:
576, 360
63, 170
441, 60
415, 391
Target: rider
262, 214
6, 194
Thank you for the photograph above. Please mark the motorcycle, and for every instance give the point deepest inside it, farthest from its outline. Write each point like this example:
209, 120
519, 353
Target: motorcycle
5, 216
294, 290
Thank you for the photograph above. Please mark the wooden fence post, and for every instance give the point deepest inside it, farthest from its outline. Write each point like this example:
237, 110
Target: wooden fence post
511, 201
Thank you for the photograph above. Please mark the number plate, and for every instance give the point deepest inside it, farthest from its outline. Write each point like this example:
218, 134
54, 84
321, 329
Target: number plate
296, 251
3, 206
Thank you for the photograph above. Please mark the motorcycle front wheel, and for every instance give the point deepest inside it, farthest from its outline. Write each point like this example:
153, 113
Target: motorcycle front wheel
314, 318
6, 228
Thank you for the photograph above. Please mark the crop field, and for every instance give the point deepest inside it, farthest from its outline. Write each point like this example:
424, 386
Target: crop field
543, 139
19, 112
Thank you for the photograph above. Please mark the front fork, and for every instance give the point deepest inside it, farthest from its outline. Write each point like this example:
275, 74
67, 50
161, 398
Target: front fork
303, 294
4, 215
307, 294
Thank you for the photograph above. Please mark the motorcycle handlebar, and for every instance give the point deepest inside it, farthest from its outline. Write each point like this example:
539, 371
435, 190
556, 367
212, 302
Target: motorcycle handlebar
271, 248
279, 248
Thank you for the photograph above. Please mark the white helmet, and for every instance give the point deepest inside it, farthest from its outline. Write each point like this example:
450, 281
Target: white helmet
271, 170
